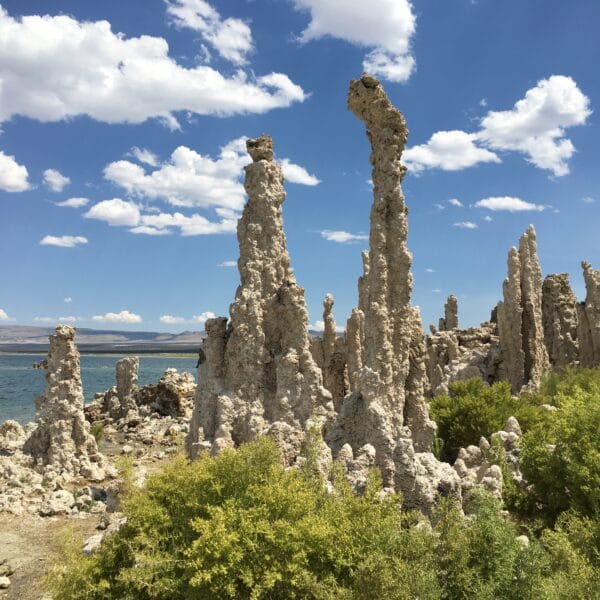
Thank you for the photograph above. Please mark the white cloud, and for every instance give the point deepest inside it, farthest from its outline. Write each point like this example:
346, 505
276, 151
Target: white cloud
63, 241
145, 230
436, 290
55, 180
536, 124
483, 102
171, 320
192, 225
297, 174
429, 270
44, 319
191, 179
73, 202
115, 212
439, 206
466, 225
384, 26
144, 155
70, 319
449, 151
121, 317
116, 79
342, 237
4, 316
13, 176
228, 263
203, 317
487, 219
455, 202
68, 300
588, 200
231, 38
507, 203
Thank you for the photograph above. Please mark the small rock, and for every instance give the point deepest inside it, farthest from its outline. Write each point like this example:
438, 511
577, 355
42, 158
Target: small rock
126, 449
4, 583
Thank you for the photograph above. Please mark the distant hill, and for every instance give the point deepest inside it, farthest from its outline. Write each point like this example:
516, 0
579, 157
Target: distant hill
25, 338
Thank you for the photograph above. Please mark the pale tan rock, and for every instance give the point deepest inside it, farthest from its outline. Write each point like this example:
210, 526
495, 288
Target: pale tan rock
592, 311
62, 443
171, 396
12, 437
385, 341
559, 312
510, 317
334, 356
536, 363
259, 368
450, 320
584, 337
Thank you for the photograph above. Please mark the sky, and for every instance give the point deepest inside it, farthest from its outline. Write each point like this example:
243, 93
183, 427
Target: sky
122, 128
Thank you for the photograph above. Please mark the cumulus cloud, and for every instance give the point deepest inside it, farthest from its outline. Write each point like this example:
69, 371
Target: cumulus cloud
508, 203
44, 319
73, 202
70, 319
342, 237
455, 202
535, 126
487, 219
297, 174
171, 320
466, 225
117, 79
386, 27
144, 155
449, 151
55, 180
13, 176
4, 316
228, 263
429, 270
115, 212
68, 300
231, 38
121, 317
190, 179
203, 317
63, 241
588, 200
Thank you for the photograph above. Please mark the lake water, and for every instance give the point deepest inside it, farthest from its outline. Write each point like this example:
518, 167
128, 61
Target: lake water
20, 383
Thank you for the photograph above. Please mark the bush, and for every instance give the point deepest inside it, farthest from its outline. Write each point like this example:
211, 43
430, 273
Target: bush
474, 409
562, 458
240, 526
97, 430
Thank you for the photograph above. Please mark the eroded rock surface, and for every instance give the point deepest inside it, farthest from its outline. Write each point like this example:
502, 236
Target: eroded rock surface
384, 420
590, 313
450, 320
259, 370
62, 442
559, 311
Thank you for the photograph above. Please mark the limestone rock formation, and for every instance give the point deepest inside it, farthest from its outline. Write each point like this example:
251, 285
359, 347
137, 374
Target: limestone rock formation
334, 356
520, 316
62, 442
559, 313
450, 320
127, 378
590, 326
461, 354
476, 465
171, 396
385, 417
259, 370
12, 437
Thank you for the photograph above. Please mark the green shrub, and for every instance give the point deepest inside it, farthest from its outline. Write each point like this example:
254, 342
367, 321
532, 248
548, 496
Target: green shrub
97, 430
474, 409
240, 526
562, 458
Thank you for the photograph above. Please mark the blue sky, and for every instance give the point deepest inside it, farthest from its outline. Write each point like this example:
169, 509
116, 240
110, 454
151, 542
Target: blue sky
132, 116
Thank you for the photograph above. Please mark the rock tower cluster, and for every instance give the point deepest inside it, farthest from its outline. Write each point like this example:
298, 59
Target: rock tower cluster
62, 444
259, 375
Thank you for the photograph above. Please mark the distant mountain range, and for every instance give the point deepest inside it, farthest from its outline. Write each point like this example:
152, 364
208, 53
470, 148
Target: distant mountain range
24, 338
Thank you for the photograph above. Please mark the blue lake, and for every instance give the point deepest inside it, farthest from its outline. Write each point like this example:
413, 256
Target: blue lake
20, 383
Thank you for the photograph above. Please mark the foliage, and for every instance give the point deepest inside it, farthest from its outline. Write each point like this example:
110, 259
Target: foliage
97, 430
474, 409
562, 458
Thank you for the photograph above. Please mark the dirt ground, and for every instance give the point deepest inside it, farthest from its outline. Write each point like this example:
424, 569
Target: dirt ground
27, 541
